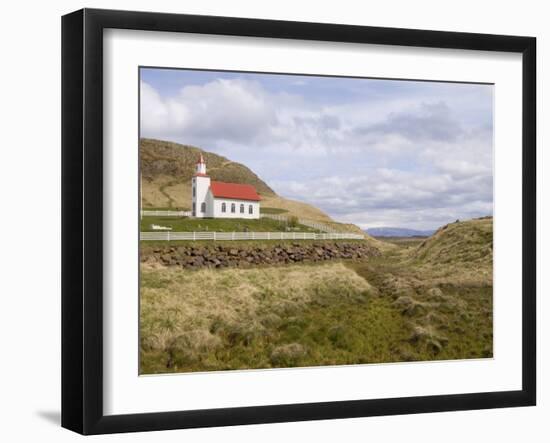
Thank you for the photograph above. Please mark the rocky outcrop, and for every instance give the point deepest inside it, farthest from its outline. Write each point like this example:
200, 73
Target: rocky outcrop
226, 256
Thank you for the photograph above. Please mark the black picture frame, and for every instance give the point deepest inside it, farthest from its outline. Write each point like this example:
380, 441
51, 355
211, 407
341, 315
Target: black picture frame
82, 218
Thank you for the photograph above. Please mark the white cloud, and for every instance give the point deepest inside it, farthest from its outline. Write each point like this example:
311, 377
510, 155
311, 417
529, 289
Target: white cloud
216, 111
389, 197
414, 159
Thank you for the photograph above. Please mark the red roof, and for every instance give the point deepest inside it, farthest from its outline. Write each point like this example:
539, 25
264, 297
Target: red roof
234, 191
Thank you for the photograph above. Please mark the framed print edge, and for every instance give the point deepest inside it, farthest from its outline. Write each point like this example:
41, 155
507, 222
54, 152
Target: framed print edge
82, 222
71, 226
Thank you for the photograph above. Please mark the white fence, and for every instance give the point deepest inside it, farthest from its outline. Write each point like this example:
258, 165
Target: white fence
167, 235
166, 213
303, 221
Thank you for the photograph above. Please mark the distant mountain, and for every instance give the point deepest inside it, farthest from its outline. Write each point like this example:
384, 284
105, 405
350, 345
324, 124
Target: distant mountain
398, 232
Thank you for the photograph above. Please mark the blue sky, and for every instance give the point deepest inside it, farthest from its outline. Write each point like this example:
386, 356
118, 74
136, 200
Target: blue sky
366, 151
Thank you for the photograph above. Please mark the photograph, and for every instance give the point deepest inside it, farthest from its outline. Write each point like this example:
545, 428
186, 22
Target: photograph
292, 220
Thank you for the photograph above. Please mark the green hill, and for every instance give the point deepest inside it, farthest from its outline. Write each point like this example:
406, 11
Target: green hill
167, 169
469, 242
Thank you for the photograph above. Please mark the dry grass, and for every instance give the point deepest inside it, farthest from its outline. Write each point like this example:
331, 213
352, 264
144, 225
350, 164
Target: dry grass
467, 243
186, 316
153, 197
296, 208
444, 287
199, 299
401, 306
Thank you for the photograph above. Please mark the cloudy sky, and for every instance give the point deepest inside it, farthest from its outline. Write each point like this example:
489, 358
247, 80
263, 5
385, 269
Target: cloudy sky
366, 151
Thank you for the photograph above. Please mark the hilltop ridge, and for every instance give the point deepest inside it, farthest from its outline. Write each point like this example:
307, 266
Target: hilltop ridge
467, 242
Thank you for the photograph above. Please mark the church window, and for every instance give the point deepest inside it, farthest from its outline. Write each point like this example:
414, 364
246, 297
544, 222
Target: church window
250, 209
223, 207
194, 192
232, 207
203, 207
242, 208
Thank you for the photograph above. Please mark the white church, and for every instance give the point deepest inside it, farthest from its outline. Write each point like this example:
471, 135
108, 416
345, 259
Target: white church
212, 199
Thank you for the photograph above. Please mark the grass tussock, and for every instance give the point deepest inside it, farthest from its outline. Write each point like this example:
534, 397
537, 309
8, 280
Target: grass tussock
297, 315
443, 286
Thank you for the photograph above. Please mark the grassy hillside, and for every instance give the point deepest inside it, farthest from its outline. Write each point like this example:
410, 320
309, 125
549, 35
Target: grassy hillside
467, 243
444, 287
293, 207
413, 302
180, 224
167, 169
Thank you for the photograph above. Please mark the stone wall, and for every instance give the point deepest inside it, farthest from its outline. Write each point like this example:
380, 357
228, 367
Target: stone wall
224, 256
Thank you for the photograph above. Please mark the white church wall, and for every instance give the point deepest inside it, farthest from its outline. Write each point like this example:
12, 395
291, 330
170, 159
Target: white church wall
218, 213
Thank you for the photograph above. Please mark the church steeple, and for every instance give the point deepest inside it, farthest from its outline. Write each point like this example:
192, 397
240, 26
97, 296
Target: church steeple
201, 166
200, 186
